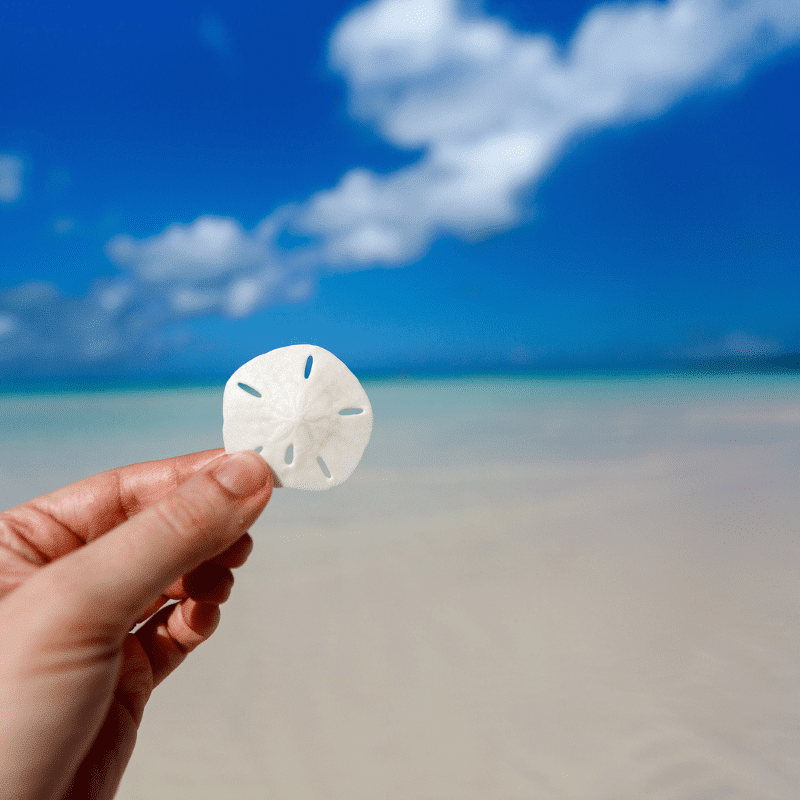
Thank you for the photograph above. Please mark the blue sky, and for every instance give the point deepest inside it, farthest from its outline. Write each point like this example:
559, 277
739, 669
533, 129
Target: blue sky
412, 184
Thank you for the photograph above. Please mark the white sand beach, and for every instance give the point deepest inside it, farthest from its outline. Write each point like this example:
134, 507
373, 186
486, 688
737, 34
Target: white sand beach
564, 590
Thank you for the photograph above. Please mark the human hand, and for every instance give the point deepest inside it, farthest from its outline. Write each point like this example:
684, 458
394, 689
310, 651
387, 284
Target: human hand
79, 567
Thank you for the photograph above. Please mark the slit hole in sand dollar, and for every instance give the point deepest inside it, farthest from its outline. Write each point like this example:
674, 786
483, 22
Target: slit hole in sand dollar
324, 467
346, 412
289, 457
309, 362
250, 390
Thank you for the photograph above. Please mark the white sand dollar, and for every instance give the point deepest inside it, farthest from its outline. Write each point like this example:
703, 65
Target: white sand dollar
304, 411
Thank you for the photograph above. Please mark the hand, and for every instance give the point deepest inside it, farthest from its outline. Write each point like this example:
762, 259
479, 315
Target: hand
79, 567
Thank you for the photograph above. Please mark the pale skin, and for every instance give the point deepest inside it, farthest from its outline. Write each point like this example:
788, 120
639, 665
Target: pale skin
79, 568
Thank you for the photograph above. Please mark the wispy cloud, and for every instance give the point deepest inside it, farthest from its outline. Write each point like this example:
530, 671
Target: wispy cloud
10, 178
214, 266
215, 35
494, 108
41, 327
736, 344
490, 108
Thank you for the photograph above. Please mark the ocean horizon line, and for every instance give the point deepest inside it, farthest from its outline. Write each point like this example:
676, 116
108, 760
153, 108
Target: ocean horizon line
786, 364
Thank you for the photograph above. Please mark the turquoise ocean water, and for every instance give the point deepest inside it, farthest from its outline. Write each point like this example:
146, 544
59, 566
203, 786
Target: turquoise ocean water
48, 438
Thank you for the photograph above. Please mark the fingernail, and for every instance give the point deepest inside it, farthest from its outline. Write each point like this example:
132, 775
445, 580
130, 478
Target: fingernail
243, 473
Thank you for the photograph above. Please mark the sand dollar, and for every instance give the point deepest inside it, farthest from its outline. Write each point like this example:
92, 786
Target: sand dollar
303, 410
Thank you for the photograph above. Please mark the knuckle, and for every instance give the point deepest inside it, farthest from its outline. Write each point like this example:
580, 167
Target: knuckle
17, 534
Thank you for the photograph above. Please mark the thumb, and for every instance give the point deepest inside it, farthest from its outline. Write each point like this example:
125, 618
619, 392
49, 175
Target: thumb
111, 581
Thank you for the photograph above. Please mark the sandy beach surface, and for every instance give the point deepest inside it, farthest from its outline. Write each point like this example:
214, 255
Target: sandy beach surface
564, 590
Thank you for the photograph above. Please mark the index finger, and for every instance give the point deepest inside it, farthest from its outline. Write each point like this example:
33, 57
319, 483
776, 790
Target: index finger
49, 526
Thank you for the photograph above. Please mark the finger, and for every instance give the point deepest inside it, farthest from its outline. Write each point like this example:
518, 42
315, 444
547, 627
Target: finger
109, 583
57, 523
209, 583
152, 608
235, 556
174, 632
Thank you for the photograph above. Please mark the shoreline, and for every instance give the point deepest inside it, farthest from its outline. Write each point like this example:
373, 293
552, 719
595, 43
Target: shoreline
779, 366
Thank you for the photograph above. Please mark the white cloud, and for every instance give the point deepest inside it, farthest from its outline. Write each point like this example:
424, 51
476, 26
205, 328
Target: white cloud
208, 247
10, 178
737, 344
216, 36
493, 108
211, 265
43, 327
112, 295
740, 343
63, 225
7, 325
